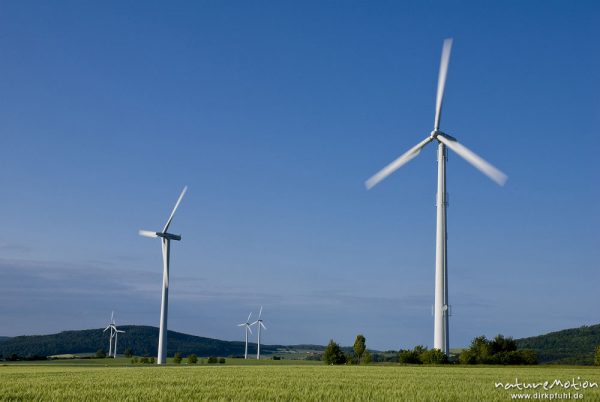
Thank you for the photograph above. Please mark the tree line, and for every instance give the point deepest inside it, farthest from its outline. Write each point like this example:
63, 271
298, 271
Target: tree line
500, 350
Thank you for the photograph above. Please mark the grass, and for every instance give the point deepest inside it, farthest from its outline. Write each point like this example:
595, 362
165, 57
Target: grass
277, 382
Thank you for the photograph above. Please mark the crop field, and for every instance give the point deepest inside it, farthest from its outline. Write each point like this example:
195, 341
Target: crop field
284, 382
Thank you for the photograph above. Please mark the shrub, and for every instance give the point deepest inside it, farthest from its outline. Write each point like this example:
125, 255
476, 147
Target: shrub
212, 360
433, 356
409, 357
100, 354
177, 358
192, 359
222, 360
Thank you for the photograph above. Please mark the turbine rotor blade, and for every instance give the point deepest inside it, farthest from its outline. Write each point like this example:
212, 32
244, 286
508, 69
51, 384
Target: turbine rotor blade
442, 81
396, 164
241, 325
260, 312
262, 325
254, 323
249, 315
474, 159
147, 233
106, 329
174, 209
249, 329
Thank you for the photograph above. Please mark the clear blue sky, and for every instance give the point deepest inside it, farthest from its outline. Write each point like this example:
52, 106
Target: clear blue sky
274, 113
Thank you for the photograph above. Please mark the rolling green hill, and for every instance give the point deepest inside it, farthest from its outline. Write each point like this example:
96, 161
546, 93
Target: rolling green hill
143, 340
569, 346
4, 338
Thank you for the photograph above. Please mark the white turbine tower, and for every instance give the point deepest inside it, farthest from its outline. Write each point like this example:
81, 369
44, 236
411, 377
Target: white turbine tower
440, 332
111, 326
259, 323
247, 329
164, 307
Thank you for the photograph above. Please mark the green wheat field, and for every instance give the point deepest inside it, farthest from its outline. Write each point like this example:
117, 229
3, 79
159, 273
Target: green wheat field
283, 382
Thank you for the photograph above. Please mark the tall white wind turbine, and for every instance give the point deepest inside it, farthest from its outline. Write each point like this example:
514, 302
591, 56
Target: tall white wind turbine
440, 331
164, 307
247, 329
111, 326
259, 323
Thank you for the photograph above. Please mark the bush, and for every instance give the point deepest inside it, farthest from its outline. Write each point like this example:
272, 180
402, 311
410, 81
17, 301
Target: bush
100, 354
128, 352
177, 358
333, 354
500, 350
212, 360
222, 360
192, 359
409, 357
433, 356
597, 356
276, 358
366, 357
152, 360
144, 360
467, 357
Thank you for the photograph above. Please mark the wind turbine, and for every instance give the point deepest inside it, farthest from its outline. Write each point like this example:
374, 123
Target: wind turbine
117, 332
112, 333
259, 323
440, 331
164, 307
247, 329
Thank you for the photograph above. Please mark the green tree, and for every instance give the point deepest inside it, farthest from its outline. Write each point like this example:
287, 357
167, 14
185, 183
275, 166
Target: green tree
192, 359
221, 360
333, 354
359, 347
177, 358
212, 359
597, 356
366, 359
100, 354
128, 352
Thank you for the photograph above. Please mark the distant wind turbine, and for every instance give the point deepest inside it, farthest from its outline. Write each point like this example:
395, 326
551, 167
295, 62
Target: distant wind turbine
117, 332
259, 323
247, 329
112, 333
440, 332
164, 307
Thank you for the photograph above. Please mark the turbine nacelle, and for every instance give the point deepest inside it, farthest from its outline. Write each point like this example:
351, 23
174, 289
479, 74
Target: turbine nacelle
170, 236
435, 133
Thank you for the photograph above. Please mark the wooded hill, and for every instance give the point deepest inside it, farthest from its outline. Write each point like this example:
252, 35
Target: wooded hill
143, 340
569, 346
